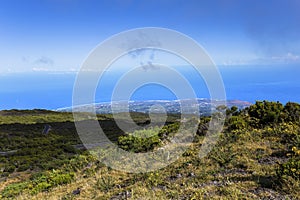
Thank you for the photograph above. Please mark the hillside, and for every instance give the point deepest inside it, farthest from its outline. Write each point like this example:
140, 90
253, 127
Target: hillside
256, 157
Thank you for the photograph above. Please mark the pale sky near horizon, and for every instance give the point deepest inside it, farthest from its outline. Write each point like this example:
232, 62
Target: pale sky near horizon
57, 35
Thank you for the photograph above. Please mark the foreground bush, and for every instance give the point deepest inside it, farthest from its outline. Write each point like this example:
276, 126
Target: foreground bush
39, 183
291, 167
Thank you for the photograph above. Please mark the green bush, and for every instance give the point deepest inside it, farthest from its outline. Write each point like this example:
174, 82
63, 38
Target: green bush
23, 167
140, 140
38, 183
236, 123
292, 111
137, 144
291, 167
9, 168
40, 187
45, 181
267, 112
59, 179
14, 189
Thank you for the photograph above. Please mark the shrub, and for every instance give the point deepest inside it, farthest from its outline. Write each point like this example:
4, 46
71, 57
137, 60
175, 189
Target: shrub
40, 187
9, 168
292, 111
267, 112
58, 178
291, 167
14, 189
140, 140
105, 184
236, 123
23, 167
38, 183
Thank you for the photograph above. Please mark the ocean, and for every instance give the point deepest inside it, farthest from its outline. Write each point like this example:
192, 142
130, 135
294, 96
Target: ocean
53, 90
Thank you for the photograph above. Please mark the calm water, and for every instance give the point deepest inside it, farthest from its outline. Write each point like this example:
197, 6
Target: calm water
54, 90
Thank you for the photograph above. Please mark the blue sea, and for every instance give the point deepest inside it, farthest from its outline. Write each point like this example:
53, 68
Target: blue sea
52, 90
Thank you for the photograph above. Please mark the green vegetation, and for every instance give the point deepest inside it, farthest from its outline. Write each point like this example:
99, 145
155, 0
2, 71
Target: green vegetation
145, 140
256, 157
33, 116
32, 150
140, 140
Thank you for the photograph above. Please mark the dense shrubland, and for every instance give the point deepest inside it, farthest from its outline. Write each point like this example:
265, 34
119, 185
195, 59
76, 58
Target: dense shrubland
257, 156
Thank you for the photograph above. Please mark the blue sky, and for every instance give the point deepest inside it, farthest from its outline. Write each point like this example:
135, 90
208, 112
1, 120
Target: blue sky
59, 34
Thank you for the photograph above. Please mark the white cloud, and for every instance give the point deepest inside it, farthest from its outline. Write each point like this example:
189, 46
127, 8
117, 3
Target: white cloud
41, 69
289, 57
